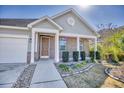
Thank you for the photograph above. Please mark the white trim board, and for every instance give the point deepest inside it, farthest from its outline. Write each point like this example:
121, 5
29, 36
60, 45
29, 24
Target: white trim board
13, 36
76, 35
43, 18
45, 30
14, 27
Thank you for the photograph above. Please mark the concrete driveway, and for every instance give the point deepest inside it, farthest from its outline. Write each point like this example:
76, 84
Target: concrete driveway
47, 76
9, 74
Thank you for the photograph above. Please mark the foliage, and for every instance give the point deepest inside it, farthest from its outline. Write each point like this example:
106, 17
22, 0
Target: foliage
113, 45
75, 55
64, 67
92, 56
98, 55
82, 54
121, 57
84, 63
79, 65
65, 56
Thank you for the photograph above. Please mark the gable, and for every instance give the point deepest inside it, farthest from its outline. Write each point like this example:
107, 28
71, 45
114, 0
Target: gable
44, 24
79, 26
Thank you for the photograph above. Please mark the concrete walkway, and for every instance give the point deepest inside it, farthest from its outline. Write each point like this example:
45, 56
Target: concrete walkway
7, 78
47, 76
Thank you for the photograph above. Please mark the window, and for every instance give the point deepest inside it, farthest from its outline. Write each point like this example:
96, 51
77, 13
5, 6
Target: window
81, 46
62, 43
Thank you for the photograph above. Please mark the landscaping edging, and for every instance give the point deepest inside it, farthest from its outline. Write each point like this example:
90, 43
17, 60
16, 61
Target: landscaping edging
81, 71
25, 77
116, 78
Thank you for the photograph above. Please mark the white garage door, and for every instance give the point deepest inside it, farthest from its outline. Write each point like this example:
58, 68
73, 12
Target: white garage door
13, 50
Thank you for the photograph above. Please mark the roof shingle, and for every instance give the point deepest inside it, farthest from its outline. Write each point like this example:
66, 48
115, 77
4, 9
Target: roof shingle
16, 22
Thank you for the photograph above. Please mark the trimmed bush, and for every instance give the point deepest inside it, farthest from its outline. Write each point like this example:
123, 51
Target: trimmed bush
82, 55
65, 56
98, 55
92, 54
75, 55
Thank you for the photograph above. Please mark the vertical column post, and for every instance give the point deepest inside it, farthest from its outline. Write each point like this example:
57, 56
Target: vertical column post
78, 45
36, 41
57, 47
32, 47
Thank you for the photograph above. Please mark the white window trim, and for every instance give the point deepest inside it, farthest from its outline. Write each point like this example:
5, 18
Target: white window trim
60, 46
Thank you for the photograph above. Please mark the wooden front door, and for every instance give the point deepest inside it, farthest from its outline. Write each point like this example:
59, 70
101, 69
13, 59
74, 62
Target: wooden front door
45, 47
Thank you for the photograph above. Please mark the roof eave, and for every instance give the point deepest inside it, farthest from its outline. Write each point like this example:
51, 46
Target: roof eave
13, 27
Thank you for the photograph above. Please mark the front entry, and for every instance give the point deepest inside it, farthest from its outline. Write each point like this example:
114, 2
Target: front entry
45, 47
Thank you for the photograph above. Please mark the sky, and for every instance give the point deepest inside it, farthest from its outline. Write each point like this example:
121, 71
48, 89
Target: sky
94, 15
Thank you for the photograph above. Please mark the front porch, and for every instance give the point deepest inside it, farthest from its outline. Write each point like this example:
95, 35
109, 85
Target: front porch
48, 45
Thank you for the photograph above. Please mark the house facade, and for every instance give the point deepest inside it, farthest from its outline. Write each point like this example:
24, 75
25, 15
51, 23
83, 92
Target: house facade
45, 38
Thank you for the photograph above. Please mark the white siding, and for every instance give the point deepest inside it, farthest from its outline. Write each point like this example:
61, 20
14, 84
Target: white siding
45, 24
13, 46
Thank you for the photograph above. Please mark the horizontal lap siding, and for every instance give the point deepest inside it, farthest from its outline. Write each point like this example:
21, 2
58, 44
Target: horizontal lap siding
85, 43
13, 46
71, 46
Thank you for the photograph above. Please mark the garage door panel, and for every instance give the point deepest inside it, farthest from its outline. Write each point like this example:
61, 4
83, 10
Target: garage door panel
13, 50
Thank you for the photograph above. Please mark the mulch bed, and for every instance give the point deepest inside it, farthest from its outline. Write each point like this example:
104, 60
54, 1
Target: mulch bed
25, 78
74, 70
93, 78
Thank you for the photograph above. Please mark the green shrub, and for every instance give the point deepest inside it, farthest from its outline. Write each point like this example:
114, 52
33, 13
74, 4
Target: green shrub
84, 63
93, 56
98, 55
121, 57
75, 55
65, 56
79, 65
64, 67
82, 55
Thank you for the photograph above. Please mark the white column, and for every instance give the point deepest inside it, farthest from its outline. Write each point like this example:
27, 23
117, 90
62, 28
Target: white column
32, 46
57, 47
78, 45
95, 47
36, 41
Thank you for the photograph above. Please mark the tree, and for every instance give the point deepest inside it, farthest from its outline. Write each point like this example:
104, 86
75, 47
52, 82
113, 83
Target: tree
112, 45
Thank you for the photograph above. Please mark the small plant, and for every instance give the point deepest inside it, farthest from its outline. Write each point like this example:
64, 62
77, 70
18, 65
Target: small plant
82, 54
65, 56
84, 63
79, 65
75, 55
64, 67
